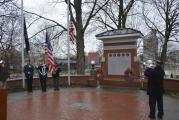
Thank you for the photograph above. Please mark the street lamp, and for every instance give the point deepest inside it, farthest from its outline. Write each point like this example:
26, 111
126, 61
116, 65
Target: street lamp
92, 64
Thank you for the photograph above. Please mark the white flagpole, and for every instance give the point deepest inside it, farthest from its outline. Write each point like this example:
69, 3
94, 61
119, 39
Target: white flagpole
22, 40
68, 40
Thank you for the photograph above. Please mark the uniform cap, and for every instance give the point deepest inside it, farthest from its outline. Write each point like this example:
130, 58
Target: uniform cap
159, 62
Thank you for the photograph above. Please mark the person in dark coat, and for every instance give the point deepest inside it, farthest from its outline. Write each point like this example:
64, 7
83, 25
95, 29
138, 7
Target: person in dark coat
42, 70
56, 77
29, 73
171, 75
155, 89
4, 74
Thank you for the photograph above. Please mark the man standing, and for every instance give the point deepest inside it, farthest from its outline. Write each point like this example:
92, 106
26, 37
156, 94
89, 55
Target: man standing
56, 77
42, 70
155, 89
4, 74
29, 72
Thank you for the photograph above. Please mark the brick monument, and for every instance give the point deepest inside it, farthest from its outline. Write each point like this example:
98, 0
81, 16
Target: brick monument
120, 51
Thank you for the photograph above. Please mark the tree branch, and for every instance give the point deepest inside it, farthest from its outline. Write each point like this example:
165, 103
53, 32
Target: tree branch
93, 14
43, 30
43, 18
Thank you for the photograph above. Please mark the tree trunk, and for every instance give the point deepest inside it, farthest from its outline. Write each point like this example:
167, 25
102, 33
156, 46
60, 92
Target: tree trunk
124, 21
164, 51
120, 15
80, 38
80, 53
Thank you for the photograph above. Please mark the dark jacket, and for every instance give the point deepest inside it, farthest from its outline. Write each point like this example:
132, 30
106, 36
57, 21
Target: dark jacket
56, 74
29, 70
155, 81
3, 73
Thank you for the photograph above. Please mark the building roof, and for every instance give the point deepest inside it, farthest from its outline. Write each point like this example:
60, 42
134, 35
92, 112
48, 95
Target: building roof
125, 32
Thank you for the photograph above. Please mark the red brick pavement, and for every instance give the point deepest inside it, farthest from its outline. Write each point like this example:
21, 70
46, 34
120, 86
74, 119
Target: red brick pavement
79, 104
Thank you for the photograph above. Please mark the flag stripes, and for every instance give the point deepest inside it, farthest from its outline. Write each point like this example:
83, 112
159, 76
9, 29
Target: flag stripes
71, 30
48, 51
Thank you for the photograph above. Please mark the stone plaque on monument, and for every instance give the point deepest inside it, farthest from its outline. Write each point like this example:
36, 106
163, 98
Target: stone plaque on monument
118, 63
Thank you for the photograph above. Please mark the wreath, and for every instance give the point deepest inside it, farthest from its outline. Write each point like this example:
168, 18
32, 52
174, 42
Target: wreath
129, 74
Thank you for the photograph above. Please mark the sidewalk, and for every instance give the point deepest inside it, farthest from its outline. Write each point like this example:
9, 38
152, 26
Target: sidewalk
86, 104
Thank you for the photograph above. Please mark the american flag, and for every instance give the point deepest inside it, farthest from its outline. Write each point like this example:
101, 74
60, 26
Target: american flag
71, 30
48, 51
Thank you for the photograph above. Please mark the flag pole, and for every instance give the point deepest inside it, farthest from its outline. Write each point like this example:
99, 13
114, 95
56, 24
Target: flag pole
68, 40
22, 40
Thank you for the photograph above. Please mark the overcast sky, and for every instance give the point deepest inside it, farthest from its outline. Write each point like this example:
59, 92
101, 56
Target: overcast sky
46, 8
57, 12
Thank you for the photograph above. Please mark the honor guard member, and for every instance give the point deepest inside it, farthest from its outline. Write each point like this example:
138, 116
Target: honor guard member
4, 74
42, 70
29, 72
56, 77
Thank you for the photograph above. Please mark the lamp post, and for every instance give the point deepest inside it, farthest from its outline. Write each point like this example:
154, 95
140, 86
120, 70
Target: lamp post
92, 69
92, 64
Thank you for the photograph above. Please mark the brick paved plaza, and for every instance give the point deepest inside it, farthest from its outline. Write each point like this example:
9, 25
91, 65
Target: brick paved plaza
86, 104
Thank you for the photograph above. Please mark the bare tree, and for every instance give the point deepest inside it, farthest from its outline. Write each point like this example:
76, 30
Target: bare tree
9, 35
56, 36
165, 21
4, 2
56, 30
82, 12
114, 14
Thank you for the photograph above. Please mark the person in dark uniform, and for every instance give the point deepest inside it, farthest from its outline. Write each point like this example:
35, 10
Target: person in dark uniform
4, 74
29, 72
171, 75
56, 77
42, 70
155, 89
